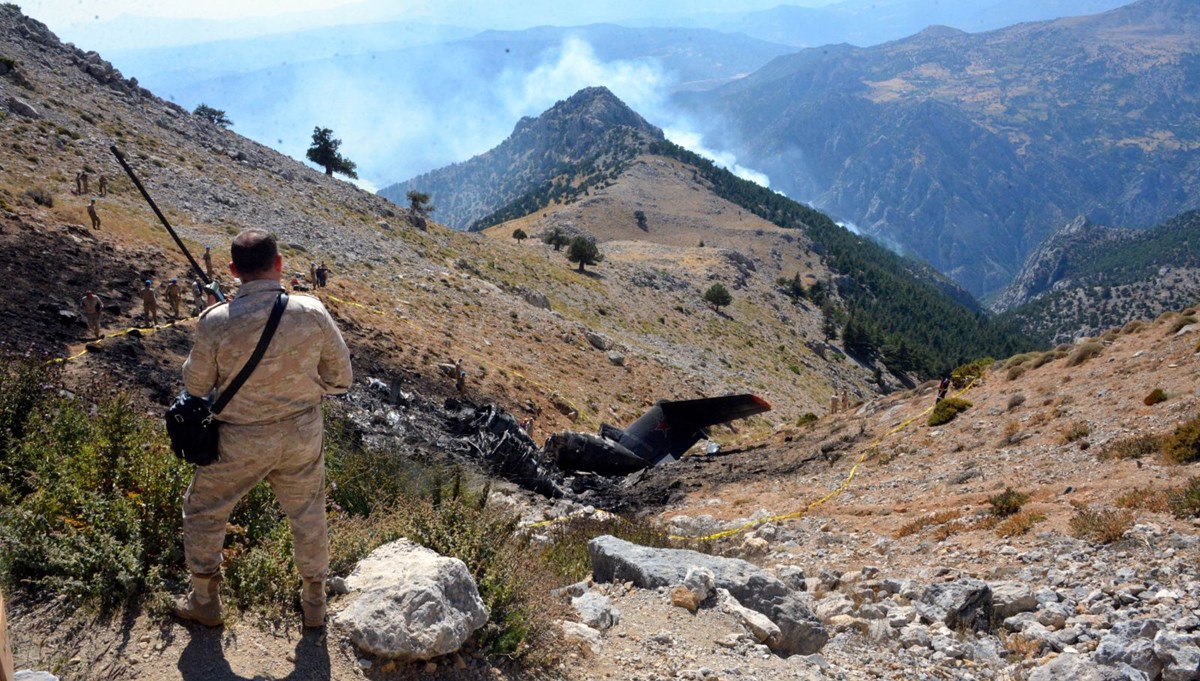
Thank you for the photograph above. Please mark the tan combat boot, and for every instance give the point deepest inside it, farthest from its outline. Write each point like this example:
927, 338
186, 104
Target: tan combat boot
203, 602
312, 602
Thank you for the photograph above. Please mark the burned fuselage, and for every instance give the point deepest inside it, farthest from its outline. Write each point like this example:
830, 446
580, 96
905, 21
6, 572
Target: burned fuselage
662, 434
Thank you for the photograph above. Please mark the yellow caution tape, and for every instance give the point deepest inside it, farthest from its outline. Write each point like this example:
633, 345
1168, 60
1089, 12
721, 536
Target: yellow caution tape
116, 334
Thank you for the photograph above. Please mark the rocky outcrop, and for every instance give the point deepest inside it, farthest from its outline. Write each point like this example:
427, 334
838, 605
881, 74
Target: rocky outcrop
411, 603
618, 560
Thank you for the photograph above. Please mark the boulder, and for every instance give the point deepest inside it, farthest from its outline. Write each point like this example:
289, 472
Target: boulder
758, 624
682, 597
596, 611
1010, 598
1179, 655
616, 359
536, 299
963, 604
617, 560
598, 341
22, 108
1076, 667
412, 603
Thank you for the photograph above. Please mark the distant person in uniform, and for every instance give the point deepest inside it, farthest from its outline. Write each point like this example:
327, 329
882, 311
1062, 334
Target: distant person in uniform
149, 303
208, 261
312, 274
198, 296
83, 179
174, 297
103, 185
7, 672
943, 388
93, 215
271, 428
322, 275
92, 305
79, 183
460, 377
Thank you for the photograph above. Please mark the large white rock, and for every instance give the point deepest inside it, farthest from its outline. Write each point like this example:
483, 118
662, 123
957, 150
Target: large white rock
412, 603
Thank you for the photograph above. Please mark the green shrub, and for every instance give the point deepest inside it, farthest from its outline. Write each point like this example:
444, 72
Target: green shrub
1134, 447
1083, 353
806, 419
946, 410
965, 374
1184, 501
1157, 395
91, 503
1007, 503
1183, 446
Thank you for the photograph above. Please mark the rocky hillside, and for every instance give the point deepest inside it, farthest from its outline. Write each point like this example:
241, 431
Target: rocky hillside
968, 149
1086, 278
591, 129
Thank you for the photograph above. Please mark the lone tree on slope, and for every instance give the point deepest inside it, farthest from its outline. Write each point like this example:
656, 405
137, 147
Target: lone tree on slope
215, 116
640, 216
717, 296
324, 152
555, 238
520, 235
419, 208
583, 251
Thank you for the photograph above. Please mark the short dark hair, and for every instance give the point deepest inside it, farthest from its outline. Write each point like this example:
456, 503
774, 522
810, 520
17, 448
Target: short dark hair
254, 251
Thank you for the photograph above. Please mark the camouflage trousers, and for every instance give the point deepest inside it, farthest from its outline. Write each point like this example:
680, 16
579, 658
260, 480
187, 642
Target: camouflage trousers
287, 455
93, 322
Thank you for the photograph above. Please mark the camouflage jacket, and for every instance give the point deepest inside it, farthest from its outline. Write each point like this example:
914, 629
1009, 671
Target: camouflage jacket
306, 359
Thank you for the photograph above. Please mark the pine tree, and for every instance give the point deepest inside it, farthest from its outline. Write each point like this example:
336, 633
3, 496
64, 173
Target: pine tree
324, 152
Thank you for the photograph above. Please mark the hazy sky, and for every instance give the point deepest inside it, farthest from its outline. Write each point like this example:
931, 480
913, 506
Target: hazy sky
60, 14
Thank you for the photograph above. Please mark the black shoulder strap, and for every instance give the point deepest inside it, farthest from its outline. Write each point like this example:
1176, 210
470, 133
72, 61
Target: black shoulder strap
259, 351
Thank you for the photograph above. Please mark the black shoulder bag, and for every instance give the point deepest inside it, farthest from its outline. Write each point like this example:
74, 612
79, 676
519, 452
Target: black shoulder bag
191, 421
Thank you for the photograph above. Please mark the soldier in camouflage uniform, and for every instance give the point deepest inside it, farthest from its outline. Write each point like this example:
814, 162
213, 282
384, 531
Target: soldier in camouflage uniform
271, 428
149, 304
91, 309
174, 297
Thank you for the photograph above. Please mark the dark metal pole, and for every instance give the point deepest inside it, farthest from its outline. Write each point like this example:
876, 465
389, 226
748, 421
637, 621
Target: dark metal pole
162, 218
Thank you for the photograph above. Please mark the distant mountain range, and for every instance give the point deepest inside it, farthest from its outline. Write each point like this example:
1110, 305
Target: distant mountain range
968, 150
1086, 278
871, 22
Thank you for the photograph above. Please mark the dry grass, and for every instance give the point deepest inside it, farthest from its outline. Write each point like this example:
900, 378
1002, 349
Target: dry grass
1102, 526
1019, 524
1133, 326
939, 518
1083, 353
1074, 432
1143, 499
1134, 447
1157, 395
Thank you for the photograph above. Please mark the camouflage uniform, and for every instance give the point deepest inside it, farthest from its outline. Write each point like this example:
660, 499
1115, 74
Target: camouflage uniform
174, 298
91, 309
271, 428
150, 305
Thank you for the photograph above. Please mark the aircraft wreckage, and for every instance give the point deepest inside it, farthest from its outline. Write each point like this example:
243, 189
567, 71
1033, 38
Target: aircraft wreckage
660, 435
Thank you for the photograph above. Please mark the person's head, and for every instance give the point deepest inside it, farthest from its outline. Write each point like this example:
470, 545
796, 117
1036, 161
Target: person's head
93, 202
147, 283
90, 294
255, 256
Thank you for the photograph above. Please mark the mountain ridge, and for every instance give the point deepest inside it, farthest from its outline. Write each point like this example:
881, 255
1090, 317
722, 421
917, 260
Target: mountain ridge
967, 148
